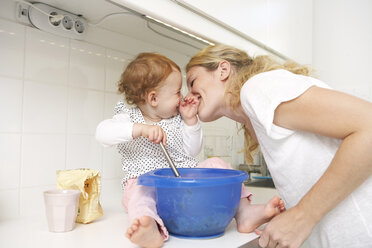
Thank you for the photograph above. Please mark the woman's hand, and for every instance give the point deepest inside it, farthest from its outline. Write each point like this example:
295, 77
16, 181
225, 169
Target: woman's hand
153, 133
189, 109
288, 229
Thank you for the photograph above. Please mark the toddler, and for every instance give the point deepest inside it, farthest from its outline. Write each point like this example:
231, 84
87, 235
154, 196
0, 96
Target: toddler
152, 83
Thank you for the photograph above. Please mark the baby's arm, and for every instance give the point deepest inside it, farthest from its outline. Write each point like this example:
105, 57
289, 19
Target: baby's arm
189, 109
120, 129
114, 131
153, 133
192, 138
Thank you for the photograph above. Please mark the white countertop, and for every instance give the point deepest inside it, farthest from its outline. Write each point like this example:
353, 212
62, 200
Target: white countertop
107, 231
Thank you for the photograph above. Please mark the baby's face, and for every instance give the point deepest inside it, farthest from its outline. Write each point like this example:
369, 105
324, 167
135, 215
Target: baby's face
169, 95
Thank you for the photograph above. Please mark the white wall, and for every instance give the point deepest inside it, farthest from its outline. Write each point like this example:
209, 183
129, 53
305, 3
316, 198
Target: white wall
284, 25
53, 92
342, 45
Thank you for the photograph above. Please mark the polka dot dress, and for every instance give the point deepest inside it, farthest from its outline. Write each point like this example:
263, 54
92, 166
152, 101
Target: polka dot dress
140, 155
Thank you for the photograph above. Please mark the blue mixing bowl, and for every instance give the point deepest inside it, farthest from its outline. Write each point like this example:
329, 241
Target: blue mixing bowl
199, 204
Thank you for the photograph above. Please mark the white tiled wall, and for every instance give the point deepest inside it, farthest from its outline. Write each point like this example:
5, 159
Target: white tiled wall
53, 93
52, 96
46, 57
10, 159
44, 107
13, 37
11, 92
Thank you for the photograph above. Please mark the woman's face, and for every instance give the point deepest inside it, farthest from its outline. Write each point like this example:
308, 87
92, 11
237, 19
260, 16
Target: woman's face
208, 87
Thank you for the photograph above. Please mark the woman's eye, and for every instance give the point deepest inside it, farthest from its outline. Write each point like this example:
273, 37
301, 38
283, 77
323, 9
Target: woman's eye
192, 83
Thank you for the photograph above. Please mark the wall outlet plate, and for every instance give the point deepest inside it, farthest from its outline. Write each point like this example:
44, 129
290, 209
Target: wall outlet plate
65, 24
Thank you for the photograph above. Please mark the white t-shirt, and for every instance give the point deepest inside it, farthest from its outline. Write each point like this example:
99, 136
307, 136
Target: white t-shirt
140, 155
297, 159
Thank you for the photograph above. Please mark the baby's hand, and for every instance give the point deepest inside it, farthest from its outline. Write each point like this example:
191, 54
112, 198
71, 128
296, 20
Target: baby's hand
189, 109
153, 133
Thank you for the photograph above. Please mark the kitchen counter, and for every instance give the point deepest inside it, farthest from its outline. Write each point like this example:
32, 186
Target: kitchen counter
105, 232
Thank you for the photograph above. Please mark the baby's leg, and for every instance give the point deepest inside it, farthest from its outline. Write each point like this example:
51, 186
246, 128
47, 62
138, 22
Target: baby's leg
147, 229
251, 216
145, 233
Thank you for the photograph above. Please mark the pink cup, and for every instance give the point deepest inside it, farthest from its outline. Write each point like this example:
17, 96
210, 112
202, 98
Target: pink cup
61, 207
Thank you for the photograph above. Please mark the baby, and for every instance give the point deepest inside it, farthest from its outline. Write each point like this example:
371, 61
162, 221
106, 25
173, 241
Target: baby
152, 83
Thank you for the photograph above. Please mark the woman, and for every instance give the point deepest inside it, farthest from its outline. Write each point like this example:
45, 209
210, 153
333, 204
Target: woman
316, 142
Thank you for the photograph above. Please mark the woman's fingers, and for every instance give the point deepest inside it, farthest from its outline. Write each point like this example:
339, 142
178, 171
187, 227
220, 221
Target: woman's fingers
264, 240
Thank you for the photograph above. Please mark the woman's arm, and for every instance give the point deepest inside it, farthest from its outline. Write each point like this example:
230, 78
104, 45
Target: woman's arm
334, 114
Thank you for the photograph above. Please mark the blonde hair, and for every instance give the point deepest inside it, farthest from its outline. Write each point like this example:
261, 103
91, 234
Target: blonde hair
243, 67
143, 74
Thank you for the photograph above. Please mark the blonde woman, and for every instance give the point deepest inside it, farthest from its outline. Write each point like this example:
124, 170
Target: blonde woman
316, 142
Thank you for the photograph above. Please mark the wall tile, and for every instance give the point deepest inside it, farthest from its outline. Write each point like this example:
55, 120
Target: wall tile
111, 100
83, 152
42, 156
117, 41
11, 92
6, 6
10, 160
217, 145
45, 107
116, 62
238, 149
46, 57
87, 65
12, 37
9, 204
85, 111
32, 201
112, 163
111, 158
111, 195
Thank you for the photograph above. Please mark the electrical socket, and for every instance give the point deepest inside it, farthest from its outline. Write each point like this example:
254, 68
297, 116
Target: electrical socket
56, 21
22, 13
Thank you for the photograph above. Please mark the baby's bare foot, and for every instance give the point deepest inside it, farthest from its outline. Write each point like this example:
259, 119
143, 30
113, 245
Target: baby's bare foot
249, 217
145, 233
274, 207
